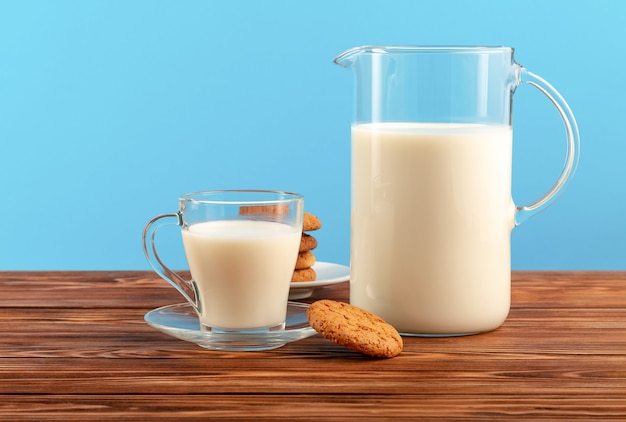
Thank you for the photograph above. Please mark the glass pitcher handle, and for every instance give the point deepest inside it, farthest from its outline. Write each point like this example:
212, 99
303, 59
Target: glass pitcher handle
573, 148
187, 288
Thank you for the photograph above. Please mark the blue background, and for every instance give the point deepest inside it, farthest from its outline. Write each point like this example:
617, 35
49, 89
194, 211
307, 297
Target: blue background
111, 109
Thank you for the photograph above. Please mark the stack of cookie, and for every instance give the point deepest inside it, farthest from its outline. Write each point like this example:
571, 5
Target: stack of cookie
306, 258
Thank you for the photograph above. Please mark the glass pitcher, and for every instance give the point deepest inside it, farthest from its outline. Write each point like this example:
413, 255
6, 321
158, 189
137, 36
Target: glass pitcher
432, 210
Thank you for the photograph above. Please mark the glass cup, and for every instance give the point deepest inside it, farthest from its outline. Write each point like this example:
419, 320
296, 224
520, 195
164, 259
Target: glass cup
241, 247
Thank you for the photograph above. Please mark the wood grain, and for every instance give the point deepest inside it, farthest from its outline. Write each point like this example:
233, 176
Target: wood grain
74, 346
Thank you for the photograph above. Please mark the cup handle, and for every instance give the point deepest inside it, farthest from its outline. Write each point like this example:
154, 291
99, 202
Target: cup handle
573, 148
185, 287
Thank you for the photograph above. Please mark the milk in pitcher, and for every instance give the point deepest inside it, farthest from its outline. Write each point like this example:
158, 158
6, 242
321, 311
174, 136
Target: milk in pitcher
432, 236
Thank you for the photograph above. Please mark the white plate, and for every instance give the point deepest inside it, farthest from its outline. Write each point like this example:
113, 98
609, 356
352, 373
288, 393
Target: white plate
181, 321
327, 274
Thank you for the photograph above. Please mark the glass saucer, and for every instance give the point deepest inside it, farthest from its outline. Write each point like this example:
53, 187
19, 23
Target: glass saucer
181, 321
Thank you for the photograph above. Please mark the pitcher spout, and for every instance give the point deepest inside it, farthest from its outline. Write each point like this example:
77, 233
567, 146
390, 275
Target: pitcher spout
348, 57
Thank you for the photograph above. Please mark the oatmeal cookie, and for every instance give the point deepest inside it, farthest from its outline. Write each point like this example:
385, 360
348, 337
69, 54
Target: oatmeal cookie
354, 328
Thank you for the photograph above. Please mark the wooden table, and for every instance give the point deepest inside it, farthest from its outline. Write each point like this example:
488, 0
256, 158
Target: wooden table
74, 346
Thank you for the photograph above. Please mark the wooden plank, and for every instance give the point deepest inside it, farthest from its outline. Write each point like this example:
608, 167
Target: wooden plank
325, 407
556, 289
504, 377
578, 330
